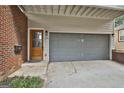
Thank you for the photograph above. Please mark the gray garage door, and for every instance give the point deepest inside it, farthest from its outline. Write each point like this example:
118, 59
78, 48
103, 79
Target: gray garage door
78, 47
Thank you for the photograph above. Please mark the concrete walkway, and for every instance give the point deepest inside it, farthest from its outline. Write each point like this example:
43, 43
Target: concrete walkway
85, 74
32, 69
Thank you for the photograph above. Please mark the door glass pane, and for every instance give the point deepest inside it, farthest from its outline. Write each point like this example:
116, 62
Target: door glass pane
37, 39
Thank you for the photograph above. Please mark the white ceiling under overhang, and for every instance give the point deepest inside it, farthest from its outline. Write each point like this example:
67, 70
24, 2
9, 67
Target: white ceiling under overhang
102, 12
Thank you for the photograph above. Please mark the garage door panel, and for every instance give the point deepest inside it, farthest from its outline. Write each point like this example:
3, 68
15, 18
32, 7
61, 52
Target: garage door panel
96, 41
70, 47
68, 53
95, 53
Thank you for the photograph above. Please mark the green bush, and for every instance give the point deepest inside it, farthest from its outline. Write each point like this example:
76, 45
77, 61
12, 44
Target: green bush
24, 82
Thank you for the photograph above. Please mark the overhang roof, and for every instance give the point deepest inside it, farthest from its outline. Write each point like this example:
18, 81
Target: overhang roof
91, 11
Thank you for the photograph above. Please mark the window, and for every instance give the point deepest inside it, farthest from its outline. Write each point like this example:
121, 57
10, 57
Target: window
37, 39
121, 35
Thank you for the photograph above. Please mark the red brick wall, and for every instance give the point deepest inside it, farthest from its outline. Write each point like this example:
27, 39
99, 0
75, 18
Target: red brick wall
118, 57
13, 30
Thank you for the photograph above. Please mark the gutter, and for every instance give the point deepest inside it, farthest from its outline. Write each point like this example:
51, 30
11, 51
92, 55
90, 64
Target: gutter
22, 9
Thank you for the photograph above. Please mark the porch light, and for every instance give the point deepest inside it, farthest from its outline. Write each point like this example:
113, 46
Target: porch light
46, 33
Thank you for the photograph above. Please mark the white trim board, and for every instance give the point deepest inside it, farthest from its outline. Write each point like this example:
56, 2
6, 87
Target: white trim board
110, 46
81, 32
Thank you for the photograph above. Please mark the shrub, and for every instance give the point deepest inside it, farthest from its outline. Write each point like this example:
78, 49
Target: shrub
25, 82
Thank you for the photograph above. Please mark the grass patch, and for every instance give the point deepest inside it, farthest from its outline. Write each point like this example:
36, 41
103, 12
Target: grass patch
23, 82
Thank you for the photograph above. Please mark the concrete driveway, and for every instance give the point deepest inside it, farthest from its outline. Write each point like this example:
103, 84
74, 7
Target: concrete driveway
85, 74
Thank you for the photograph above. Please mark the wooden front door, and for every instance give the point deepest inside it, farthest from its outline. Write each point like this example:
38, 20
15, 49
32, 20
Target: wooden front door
36, 45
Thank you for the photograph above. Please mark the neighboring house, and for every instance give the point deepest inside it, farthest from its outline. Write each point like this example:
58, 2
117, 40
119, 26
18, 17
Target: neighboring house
118, 52
55, 33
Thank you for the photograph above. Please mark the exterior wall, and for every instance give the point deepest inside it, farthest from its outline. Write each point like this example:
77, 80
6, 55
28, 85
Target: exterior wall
46, 51
118, 52
13, 27
119, 45
70, 24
